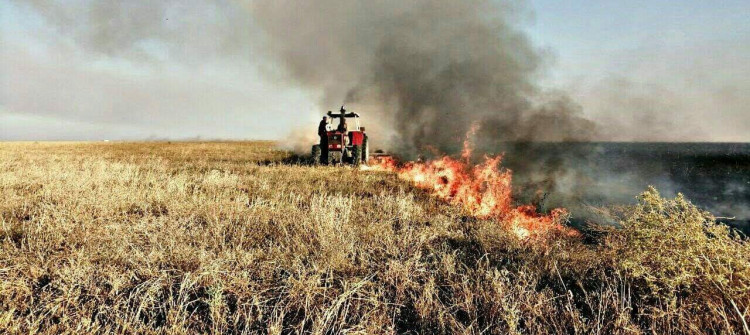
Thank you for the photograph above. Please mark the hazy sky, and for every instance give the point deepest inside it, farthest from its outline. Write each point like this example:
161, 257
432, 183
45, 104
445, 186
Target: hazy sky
92, 70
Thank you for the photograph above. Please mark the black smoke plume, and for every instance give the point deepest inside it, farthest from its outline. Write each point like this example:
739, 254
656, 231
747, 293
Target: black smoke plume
426, 70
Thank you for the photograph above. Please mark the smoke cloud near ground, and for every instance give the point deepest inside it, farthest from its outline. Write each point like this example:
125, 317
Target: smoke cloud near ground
426, 70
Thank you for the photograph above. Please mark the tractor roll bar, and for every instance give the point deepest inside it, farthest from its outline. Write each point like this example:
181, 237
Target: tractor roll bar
331, 114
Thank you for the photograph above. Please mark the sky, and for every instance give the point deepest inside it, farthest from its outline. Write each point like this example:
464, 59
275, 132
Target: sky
119, 71
683, 64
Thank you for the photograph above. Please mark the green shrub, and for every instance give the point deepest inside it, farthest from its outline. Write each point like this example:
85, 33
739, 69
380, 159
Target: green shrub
678, 259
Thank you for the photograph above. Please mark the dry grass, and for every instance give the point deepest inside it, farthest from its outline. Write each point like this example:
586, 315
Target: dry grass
234, 238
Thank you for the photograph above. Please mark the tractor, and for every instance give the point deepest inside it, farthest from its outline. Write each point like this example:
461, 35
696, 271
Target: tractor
343, 147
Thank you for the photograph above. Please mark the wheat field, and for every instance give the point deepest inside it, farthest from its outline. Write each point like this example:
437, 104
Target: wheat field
241, 237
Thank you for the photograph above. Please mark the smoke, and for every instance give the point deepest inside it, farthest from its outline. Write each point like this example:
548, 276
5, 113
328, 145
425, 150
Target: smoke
425, 70
135, 70
193, 31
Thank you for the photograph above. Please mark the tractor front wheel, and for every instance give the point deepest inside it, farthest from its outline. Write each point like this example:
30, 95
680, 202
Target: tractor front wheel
357, 155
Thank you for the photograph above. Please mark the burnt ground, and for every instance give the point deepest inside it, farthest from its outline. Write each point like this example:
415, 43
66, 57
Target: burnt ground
714, 176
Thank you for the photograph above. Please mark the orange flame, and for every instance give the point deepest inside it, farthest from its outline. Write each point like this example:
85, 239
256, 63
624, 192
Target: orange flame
483, 190
468, 149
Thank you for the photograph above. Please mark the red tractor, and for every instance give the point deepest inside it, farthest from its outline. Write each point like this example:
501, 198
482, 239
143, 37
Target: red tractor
346, 144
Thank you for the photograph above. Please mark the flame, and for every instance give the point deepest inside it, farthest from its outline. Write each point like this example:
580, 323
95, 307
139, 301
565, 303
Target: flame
483, 190
468, 149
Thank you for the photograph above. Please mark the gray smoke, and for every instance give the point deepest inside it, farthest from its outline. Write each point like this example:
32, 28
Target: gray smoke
426, 70
134, 69
193, 31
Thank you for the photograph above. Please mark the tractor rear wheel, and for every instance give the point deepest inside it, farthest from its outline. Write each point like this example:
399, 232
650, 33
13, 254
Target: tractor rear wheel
357, 155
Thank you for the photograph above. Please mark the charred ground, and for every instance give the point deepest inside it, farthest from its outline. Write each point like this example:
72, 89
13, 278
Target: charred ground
714, 176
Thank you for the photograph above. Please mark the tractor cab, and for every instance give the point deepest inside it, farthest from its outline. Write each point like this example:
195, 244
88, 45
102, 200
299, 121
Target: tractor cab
343, 115
353, 135
344, 144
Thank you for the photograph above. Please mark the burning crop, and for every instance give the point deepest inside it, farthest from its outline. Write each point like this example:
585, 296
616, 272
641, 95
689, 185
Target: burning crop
484, 190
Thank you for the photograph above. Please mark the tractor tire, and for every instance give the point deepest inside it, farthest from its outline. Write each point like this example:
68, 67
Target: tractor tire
365, 151
357, 155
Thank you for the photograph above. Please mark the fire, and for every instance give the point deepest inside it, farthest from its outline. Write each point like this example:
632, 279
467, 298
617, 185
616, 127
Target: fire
483, 190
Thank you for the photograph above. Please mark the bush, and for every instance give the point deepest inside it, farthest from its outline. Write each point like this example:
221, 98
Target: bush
682, 265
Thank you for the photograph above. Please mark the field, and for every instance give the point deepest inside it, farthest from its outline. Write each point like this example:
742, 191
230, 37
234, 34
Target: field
240, 237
